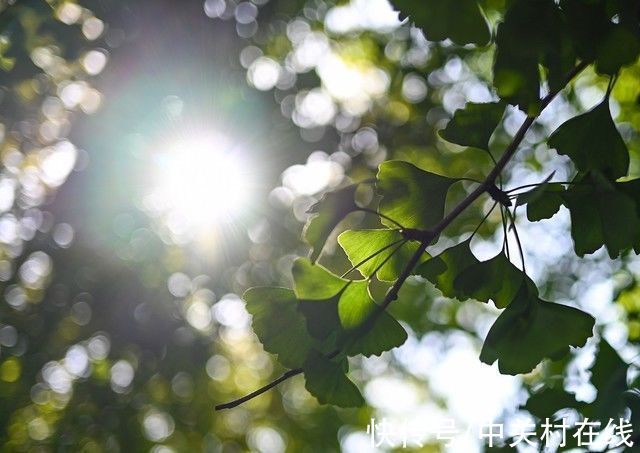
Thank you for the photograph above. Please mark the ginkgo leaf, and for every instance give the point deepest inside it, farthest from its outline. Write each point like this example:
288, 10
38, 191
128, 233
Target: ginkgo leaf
355, 304
322, 320
386, 333
546, 202
337, 311
609, 377
457, 273
413, 197
546, 402
459, 20
530, 330
387, 250
497, 279
328, 212
532, 34
443, 269
327, 381
592, 142
601, 215
474, 124
278, 324
315, 282
598, 38
535, 193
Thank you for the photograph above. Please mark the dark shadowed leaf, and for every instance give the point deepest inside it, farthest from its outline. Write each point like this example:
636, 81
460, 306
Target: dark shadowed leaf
328, 212
596, 37
278, 324
535, 193
413, 197
546, 203
609, 377
443, 269
602, 215
497, 279
474, 124
532, 34
531, 329
458, 20
546, 402
327, 381
592, 142
362, 244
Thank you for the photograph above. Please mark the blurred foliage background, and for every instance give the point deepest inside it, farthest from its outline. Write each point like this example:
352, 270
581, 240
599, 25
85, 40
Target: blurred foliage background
120, 323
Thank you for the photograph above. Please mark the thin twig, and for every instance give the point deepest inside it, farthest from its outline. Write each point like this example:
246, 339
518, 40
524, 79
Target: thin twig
430, 235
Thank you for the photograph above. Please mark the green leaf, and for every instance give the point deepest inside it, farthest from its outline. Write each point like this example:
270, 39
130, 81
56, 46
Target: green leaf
459, 274
532, 34
355, 304
601, 215
474, 125
535, 193
322, 320
459, 20
531, 329
315, 282
327, 381
592, 142
548, 401
443, 269
546, 203
337, 312
597, 37
609, 377
278, 324
386, 334
413, 197
362, 244
329, 211
496, 279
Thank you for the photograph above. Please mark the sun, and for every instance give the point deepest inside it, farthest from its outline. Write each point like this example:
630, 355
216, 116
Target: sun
200, 182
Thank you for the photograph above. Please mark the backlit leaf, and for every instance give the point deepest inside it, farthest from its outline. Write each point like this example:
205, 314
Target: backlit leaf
413, 197
328, 212
278, 324
362, 244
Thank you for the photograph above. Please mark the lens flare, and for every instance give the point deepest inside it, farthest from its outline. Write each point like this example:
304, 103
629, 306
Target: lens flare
200, 183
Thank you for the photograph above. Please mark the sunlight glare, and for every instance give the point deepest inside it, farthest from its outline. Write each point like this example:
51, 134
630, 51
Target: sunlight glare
201, 182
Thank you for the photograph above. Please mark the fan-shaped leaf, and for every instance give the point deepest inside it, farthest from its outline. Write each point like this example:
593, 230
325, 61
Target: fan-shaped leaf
531, 329
278, 324
474, 124
459, 20
389, 253
413, 197
592, 142
329, 211
327, 381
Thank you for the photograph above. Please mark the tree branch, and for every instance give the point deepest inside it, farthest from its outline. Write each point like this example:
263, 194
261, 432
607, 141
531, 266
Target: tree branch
427, 236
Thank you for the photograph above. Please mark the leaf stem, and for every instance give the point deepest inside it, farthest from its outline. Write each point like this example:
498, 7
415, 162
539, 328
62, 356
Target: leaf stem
429, 235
